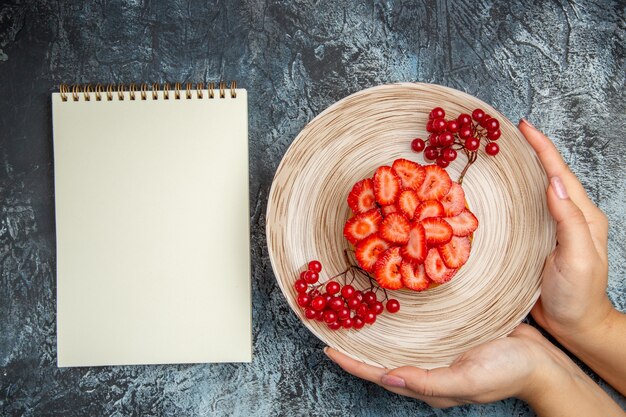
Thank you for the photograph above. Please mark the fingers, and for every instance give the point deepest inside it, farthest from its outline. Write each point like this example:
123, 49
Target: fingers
443, 382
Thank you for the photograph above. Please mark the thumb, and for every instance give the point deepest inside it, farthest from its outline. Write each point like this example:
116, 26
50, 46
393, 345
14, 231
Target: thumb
572, 230
438, 382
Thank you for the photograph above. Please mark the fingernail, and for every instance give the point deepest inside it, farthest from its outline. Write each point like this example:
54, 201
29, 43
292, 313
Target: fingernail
528, 123
559, 188
393, 381
326, 353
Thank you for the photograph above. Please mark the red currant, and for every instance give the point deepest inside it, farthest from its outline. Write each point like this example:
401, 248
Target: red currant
369, 318
393, 305
336, 303
472, 143
464, 119
429, 126
347, 323
492, 149
418, 145
484, 120
343, 314
303, 275
377, 308
311, 277
446, 139
478, 115
330, 316
319, 315
494, 134
433, 139
318, 303
347, 291
465, 132
310, 314
453, 126
358, 323
437, 112
315, 266
304, 300
369, 297
314, 293
443, 163
300, 285
492, 124
439, 124
431, 153
327, 297
449, 154
354, 303
335, 325
362, 310
333, 287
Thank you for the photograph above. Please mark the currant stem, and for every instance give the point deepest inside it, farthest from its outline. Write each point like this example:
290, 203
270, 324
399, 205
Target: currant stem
471, 158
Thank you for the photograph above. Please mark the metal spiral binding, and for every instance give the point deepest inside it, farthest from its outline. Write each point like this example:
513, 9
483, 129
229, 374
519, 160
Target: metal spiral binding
74, 91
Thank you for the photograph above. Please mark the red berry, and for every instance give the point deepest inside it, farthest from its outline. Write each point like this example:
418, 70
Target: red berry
439, 124
315, 266
358, 295
369, 318
330, 316
303, 275
311, 277
347, 291
443, 163
327, 297
429, 126
304, 300
472, 144
453, 126
343, 314
358, 323
433, 139
369, 297
318, 303
335, 325
347, 323
465, 132
319, 315
492, 124
310, 314
449, 154
492, 149
437, 112
485, 118
313, 293
336, 303
446, 139
377, 308
494, 135
333, 287
300, 285
431, 153
354, 303
478, 115
418, 145
393, 306
362, 310
464, 119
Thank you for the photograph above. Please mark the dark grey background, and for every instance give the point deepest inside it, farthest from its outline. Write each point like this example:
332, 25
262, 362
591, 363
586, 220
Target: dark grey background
560, 64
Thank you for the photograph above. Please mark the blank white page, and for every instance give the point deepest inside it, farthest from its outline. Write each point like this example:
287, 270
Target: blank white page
152, 230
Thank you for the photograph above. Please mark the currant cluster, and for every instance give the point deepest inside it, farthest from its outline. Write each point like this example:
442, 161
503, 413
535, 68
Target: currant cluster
447, 136
337, 305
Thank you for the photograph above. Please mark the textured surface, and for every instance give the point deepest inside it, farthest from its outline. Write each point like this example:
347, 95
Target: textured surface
562, 65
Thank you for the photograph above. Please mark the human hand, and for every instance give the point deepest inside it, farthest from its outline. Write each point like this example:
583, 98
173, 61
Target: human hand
522, 365
573, 298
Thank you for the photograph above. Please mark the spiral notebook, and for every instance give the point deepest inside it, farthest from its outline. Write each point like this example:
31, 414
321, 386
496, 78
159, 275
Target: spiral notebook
152, 225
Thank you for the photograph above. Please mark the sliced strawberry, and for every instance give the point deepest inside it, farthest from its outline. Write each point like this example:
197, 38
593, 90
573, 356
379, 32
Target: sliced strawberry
414, 276
436, 269
429, 208
407, 203
411, 173
453, 202
387, 269
395, 228
387, 185
415, 249
456, 252
361, 198
436, 184
438, 231
391, 208
368, 251
463, 224
362, 225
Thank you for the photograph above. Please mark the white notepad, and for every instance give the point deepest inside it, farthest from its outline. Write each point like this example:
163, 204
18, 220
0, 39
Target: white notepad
152, 228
